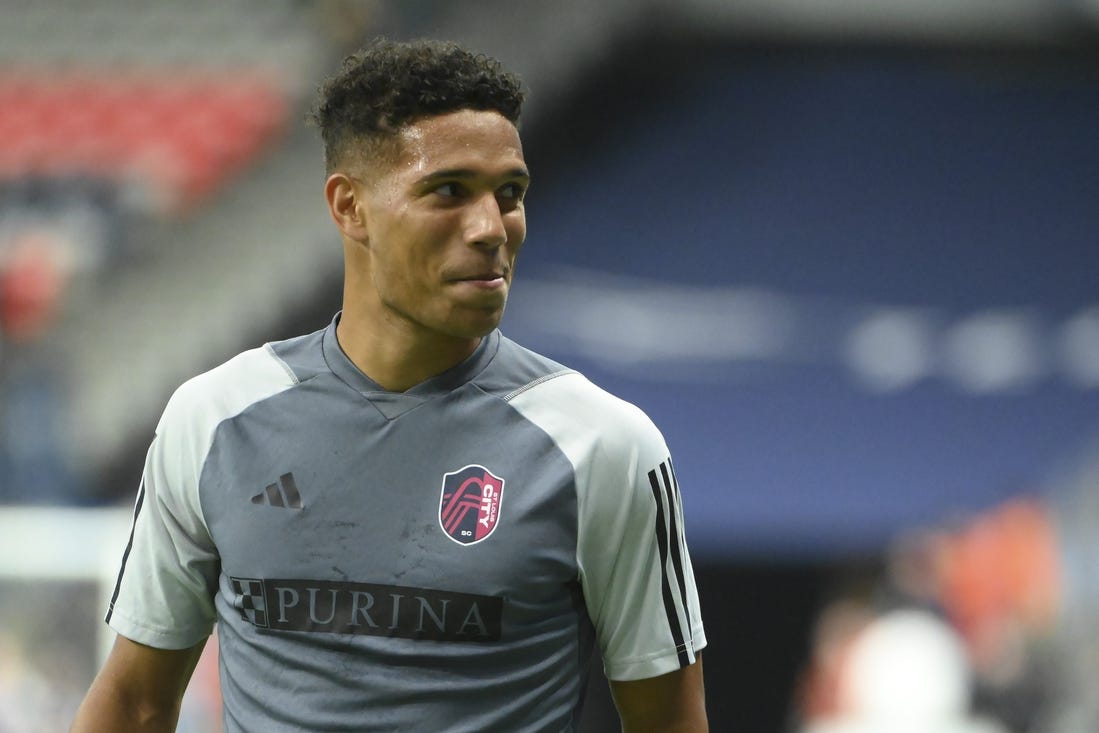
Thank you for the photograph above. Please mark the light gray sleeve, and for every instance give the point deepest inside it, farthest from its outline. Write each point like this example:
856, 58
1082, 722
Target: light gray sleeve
164, 596
635, 570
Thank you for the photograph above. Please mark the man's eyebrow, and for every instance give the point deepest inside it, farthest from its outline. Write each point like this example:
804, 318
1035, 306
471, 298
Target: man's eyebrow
451, 174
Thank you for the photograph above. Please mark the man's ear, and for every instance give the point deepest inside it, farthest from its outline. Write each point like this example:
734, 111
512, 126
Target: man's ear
346, 205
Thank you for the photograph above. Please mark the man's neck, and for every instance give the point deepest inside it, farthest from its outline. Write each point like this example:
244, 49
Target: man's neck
399, 357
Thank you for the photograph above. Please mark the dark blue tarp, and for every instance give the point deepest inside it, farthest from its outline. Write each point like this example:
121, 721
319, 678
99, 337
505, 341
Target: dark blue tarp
845, 182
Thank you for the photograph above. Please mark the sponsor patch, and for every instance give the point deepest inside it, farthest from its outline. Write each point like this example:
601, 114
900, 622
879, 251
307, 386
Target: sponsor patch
469, 506
368, 609
251, 600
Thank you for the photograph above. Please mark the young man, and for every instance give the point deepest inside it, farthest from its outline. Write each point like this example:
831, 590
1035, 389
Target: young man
407, 522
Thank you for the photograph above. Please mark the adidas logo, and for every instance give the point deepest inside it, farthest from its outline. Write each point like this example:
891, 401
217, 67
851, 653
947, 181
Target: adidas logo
284, 493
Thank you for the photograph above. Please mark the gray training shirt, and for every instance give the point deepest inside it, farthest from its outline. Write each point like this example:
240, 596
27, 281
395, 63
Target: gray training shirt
441, 559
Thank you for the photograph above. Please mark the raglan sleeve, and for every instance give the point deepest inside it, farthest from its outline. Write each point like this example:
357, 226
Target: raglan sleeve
635, 570
163, 596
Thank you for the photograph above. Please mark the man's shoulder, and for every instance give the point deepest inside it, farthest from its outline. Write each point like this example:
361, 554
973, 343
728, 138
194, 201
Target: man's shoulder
563, 399
234, 385
515, 368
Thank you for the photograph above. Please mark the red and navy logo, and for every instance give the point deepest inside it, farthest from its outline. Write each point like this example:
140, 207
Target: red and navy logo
470, 505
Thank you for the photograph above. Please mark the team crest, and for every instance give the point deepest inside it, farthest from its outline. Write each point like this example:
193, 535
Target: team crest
470, 505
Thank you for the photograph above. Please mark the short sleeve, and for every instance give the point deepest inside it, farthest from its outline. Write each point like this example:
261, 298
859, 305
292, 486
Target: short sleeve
165, 589
635, 570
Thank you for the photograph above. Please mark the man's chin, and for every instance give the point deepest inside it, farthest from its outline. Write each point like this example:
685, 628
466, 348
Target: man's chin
476, 326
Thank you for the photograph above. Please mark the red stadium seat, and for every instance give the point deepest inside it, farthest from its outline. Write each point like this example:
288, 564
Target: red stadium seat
178, 133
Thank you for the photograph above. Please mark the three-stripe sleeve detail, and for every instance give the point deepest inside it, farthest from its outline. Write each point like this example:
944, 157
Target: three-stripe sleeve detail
671, 490
126, 554
668, 539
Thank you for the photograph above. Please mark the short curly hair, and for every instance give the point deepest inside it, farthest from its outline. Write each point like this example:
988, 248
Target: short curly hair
388, 85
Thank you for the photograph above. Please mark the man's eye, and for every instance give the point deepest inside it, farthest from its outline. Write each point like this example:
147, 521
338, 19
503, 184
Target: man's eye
450, 190
512, 191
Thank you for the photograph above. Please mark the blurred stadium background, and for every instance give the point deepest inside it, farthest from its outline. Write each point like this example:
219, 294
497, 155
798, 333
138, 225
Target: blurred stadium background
842, 251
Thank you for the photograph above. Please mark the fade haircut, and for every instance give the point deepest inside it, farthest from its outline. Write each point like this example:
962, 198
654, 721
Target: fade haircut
388, 85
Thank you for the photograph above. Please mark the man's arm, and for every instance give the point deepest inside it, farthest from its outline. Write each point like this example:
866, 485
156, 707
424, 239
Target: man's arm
139, 689
671, 703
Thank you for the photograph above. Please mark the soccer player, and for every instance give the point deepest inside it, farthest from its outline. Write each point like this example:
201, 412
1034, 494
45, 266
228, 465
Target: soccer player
406, 521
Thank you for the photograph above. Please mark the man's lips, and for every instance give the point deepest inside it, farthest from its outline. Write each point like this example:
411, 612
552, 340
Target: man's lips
490, 275
485, 280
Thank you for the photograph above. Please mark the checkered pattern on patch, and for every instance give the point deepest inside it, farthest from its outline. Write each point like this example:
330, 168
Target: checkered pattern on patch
250, 600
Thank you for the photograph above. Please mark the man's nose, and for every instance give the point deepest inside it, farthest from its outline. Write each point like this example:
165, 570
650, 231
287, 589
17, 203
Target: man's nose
485, 223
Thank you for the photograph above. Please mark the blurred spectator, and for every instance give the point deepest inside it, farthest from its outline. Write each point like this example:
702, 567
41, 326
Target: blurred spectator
903, 672
1001, 610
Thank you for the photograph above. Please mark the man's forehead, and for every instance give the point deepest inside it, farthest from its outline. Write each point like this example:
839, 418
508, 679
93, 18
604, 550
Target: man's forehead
479, 137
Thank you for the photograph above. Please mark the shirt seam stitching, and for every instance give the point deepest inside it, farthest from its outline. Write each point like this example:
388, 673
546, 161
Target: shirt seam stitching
270, 349
532, 384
